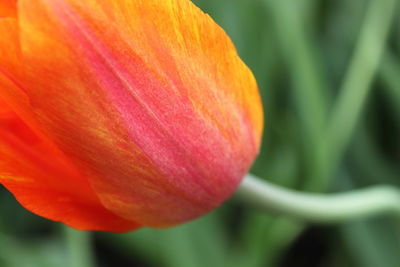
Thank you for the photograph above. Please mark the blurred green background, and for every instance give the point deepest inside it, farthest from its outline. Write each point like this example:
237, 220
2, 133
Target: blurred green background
329, 75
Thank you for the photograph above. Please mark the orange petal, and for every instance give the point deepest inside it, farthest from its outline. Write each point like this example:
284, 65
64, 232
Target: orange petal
9, 47
8, 8
148, 98
31, 167
45, 184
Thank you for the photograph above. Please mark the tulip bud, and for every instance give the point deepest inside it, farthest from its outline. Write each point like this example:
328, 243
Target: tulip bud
121, 114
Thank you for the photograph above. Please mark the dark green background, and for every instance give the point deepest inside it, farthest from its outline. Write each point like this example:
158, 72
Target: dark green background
329, 76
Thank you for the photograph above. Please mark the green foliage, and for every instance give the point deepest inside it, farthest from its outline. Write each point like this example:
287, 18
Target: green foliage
329, 76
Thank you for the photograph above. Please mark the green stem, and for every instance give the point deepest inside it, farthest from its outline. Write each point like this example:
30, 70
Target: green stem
355, 89
320, 208
308, 79
309, 83
79, 247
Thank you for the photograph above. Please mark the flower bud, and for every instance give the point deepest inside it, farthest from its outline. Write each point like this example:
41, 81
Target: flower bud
121, 114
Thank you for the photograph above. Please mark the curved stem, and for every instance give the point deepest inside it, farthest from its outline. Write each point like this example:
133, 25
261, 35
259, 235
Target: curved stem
321, 208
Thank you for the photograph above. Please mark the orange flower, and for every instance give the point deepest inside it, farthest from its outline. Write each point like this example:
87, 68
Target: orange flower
121, 114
